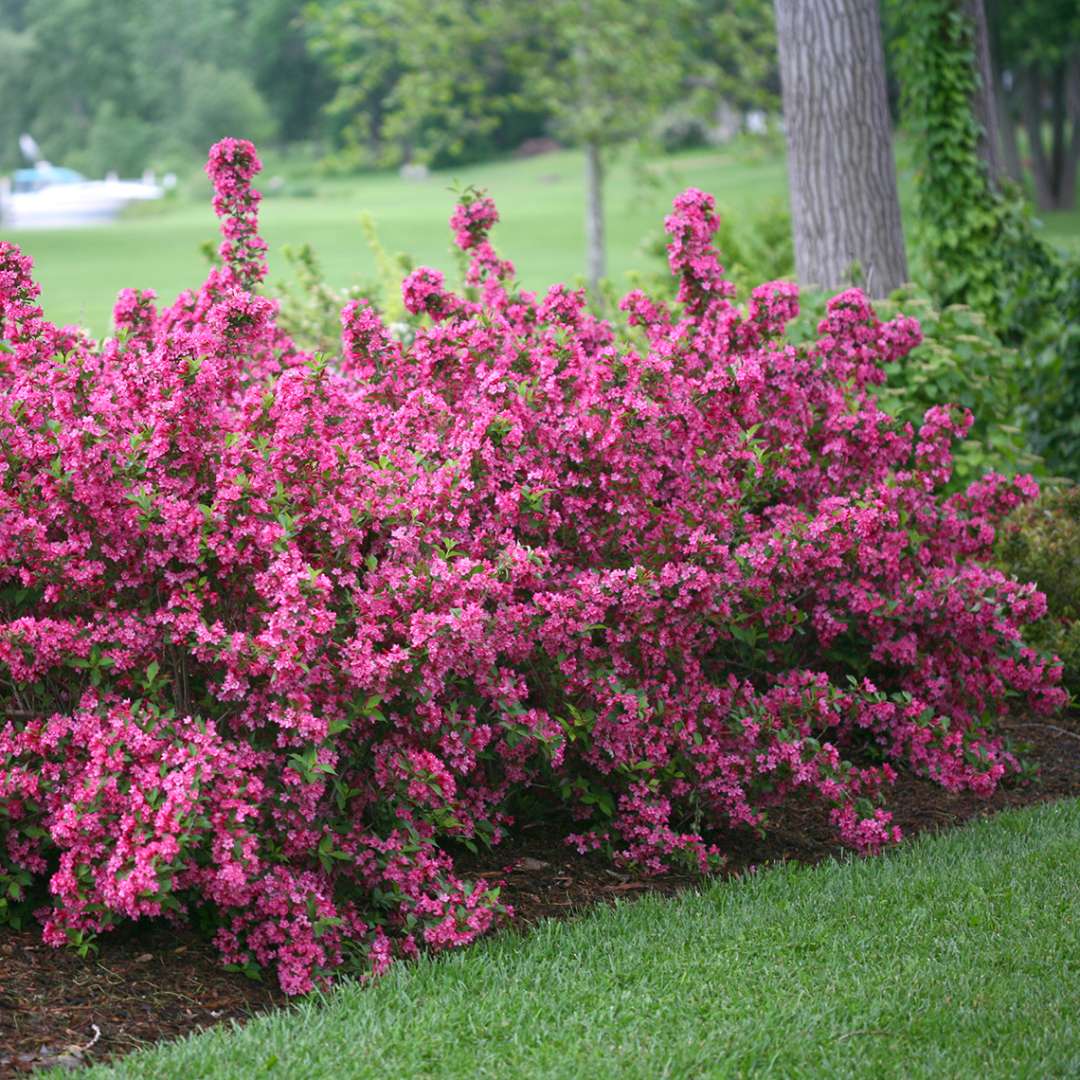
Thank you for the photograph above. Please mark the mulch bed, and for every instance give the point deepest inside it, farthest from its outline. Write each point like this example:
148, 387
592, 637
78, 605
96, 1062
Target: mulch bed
149, 983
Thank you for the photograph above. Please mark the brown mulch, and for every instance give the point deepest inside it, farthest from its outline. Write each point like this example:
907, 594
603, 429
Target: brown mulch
149, 982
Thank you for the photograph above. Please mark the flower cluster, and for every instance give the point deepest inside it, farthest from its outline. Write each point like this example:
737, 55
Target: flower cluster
232, 164
281, 635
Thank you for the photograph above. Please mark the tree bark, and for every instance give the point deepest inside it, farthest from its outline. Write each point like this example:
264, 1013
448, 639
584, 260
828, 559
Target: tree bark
594, 215
983, 105
1032, 91
1057, 133
1007, 129
1054, 171
844, 206
1072, 152
1006, 119
1065, 127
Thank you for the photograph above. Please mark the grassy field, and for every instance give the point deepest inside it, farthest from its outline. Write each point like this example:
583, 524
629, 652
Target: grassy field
956, 956
541, 201
542, 230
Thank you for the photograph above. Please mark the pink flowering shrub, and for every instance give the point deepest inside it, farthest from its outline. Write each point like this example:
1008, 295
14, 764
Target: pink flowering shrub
280, 635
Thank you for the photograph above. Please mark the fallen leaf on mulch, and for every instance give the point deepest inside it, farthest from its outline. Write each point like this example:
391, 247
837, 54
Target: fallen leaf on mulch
531, 864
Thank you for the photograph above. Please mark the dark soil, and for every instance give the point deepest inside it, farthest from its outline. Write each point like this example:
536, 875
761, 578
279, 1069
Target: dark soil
149, 982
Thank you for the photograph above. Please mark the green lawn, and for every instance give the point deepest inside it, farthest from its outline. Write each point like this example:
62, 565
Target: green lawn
542, 229
956, 956
541, 201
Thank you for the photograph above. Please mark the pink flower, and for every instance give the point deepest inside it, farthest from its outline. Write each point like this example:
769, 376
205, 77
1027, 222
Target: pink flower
297, 630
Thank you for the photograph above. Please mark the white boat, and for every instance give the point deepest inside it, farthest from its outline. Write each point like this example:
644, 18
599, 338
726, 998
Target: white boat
53, 197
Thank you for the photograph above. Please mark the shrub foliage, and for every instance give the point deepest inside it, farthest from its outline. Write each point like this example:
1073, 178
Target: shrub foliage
281, 635
1040, 542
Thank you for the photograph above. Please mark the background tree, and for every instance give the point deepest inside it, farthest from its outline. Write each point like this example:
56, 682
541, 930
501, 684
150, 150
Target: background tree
983, 103
122, 84
730, 69
605, 69
450, 72
414, 80
16, 47
291, 80
733, 48
61, 98
844, 205
1037, 45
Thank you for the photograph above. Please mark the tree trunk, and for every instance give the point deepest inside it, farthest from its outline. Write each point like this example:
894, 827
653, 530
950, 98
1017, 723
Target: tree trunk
1072, 152
1057, 133
1032, 91
1007, 129
594, 215
983, 105
1065, 126
1006, 120
844, 206
1054, 172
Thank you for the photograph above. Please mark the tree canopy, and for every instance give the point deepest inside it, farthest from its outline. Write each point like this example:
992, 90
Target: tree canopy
152, 83
371, 82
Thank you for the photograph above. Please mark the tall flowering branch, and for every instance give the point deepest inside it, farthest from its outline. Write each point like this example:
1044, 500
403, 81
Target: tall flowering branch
20, 316
231, 166
473, 218
691, 254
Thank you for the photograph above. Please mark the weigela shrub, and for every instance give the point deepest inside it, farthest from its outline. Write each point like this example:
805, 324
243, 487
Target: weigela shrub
1040, 541
282, 635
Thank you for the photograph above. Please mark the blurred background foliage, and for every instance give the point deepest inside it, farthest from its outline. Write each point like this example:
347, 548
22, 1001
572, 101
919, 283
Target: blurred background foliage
339, 92
124, 85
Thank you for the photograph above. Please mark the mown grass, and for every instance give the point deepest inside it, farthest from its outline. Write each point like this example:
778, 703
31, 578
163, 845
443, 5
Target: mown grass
542, 228
541, 201
956, 956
